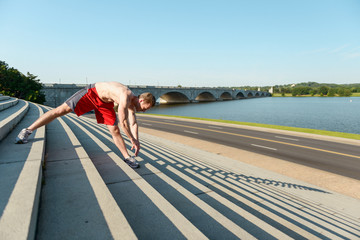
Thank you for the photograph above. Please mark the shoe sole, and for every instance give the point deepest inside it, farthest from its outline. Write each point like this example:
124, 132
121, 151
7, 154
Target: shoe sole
137, 166
134, 166
19, 141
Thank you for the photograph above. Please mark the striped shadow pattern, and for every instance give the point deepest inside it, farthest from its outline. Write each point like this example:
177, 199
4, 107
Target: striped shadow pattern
224, 197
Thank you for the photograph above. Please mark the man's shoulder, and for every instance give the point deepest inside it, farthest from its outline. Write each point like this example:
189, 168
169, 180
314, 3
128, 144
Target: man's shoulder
116, 88
112, 85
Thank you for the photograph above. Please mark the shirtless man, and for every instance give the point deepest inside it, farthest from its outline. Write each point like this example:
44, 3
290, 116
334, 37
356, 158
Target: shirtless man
101, 98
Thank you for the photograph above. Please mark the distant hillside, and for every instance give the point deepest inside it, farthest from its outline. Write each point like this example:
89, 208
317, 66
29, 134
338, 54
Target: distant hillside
318, 85
311, 88
354, 87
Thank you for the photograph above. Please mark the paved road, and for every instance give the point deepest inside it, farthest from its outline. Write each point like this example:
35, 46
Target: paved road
339, 158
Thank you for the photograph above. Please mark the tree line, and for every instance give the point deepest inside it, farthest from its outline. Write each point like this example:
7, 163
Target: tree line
13, 83
330, 90
313, 88
322, 91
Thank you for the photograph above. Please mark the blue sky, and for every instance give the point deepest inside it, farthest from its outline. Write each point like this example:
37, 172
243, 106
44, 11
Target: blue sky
188, 43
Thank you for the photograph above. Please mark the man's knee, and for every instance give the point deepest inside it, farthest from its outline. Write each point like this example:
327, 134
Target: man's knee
62, 110
114, 130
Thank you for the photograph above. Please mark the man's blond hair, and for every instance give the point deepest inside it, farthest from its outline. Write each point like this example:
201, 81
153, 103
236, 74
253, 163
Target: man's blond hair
148, 98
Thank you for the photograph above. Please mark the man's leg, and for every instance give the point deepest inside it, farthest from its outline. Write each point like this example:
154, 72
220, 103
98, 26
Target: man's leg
119, 142
50, 116
41, 121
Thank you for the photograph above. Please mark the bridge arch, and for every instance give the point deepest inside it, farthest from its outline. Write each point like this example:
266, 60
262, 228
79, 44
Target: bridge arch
226, 96
205, 97
173, 97
250, 95
240, 95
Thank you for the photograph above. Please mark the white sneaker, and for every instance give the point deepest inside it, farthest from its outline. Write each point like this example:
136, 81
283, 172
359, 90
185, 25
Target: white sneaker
23, 136
131, 161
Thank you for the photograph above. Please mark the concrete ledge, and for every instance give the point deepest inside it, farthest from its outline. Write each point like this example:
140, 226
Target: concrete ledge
11, 121
3, 98
7, 104
19, 217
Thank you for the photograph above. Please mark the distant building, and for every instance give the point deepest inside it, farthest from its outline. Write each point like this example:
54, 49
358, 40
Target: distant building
271, 90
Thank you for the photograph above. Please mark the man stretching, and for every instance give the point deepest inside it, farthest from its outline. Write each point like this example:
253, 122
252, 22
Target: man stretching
101, 98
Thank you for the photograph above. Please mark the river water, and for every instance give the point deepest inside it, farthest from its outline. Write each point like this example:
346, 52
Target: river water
340, 114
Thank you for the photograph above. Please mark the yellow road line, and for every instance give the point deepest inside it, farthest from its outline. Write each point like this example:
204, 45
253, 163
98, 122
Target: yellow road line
257, 138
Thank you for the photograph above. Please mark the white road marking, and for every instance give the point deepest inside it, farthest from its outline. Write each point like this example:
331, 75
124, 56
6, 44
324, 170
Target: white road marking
190, 132
147, 124
215, 127
293, 139
263, 147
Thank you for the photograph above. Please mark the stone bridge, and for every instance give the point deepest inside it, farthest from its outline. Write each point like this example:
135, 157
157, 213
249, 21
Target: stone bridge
56, 94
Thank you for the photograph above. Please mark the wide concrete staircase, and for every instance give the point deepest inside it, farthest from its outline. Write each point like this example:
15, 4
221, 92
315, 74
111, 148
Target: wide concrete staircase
69, 182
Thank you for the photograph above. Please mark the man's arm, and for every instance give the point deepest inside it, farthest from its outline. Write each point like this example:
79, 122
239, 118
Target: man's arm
133, 124
134, 129
123, 113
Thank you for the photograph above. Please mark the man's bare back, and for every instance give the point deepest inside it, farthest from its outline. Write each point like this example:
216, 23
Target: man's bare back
112, 91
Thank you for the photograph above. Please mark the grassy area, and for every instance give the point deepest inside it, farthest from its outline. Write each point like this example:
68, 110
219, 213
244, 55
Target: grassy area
317, 95
294, 129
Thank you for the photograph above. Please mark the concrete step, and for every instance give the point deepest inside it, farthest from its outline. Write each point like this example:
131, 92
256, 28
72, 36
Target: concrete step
284, 201
219, 198
3, 98
20, 179
75, 202
8, 103
10, 117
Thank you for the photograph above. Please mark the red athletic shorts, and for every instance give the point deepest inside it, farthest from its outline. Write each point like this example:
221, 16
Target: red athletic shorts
87, 99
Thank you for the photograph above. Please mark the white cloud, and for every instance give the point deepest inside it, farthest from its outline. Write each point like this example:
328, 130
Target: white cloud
339, 49
345, 52
352, 55
320, 50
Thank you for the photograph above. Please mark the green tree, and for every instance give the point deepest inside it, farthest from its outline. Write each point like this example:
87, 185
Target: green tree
286, 90
313, 91
348, 93
331, 92
15, 84
344, 92
301, 90
323, 90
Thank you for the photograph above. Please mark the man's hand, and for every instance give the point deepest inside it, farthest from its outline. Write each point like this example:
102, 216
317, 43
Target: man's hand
136, 146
